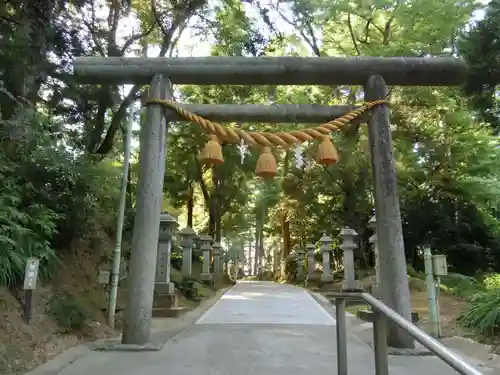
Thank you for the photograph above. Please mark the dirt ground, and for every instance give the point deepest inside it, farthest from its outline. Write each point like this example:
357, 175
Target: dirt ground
450, 307
26, 346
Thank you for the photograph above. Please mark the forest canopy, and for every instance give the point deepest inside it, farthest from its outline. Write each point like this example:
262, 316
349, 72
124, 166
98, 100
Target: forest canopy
63, 140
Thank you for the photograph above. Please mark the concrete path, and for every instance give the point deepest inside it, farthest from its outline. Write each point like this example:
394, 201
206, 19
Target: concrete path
257, 328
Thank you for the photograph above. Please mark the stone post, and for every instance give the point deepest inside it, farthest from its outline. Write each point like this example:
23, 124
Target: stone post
348, 245
168, 225
326, 249
206, 247
300, 254
187, 241
394, 286
311, 262
137, 326
373, 240
217, 252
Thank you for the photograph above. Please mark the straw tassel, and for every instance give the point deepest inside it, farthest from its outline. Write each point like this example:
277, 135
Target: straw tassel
212, 152
327, 154
266, 164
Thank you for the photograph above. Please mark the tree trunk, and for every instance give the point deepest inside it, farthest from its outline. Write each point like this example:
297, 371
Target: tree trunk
218, 222
217, 181
350, 187
350, 218
209, 199
285, 224
260, 245
129, 202
190, 205
258, 225
256, 248
211, 219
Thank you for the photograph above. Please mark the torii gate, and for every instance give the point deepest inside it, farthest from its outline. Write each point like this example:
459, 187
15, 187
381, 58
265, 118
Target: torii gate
374, 73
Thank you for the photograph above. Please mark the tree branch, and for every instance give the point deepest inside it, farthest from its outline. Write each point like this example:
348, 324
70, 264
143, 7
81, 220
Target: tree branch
203, 186
179, 20
388, 31
113, 20
118, 117
351, 32
91, 28
136, 37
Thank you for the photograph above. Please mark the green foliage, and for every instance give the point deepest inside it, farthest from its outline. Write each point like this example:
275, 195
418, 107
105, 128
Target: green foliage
176, 259
480, 48
492, 282
67, 311
291, 267
187, 286
26, 228
414, 273
49, 198
461, 285
484, 314
55, 190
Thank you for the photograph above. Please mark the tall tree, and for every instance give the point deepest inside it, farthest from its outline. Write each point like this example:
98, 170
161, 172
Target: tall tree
480, 46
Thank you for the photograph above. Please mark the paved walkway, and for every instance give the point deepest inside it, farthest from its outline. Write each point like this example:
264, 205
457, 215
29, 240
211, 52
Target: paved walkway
257, 328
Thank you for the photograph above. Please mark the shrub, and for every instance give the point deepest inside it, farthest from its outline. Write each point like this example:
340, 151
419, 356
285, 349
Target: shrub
484, 313
492, 281
461, 285
24, 232
67, 311
291, 267
176, 260
50, 195
187, 286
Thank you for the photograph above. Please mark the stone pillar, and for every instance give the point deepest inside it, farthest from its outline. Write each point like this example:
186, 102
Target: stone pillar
137, 326
326, 249
163, 285
394, 279
217, 252
373, 240
348, 245
300, 254
311, 262
187, 241
206, 247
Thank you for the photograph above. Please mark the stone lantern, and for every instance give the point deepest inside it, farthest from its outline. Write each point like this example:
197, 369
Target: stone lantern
326, 249
217, 253
300, 255
168, 226
348, 245
206, 247
224, 258
311, 262
187, 242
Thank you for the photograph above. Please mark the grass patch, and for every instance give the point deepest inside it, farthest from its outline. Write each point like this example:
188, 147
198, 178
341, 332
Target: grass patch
68, 312
193, 289
483, 316
461, 286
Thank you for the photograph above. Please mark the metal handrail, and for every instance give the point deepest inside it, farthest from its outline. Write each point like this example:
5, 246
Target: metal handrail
382, 313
